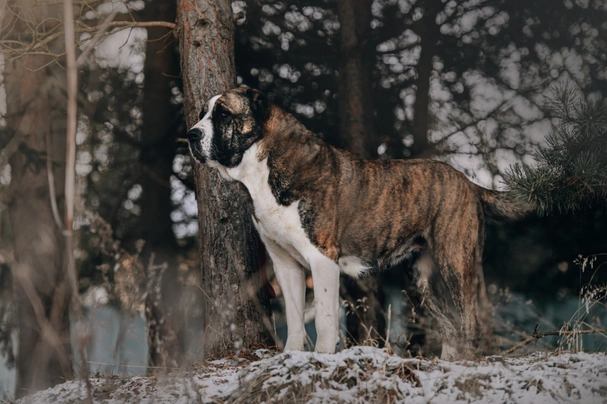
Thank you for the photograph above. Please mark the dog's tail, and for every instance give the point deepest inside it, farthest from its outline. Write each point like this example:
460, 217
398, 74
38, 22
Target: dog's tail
503, 205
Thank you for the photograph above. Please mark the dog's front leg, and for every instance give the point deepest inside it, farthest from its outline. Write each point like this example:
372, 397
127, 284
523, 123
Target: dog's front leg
291, 278
325, 274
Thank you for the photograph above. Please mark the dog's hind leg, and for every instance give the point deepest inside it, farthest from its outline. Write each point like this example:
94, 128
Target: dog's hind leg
292, 281
325, 274
433, 297
450, 302
462, 288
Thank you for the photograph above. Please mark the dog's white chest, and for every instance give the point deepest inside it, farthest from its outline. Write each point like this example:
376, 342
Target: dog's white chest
281, 224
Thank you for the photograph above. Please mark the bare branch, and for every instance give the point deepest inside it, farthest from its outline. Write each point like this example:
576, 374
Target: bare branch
536, 336
102, 28
135, 24
39, 42
21, 274
51, 178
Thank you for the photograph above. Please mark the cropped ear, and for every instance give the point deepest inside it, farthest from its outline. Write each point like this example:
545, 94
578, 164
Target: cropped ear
260, 105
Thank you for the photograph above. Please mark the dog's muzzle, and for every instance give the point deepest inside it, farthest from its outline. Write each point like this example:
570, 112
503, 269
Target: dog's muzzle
195, 136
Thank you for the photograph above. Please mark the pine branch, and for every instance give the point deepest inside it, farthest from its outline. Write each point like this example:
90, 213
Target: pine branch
571, 170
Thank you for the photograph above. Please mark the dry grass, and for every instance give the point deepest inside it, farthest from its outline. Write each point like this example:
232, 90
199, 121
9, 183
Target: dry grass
296, 381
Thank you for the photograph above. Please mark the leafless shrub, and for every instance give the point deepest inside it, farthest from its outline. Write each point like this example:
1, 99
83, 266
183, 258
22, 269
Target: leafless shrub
136, 288
592, 305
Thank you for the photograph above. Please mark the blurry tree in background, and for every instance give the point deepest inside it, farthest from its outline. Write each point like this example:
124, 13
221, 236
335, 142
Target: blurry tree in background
112, 103
160, 125
35, 139
467, 77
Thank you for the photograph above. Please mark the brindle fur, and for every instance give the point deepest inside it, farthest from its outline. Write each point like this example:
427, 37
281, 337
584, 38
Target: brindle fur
379, 211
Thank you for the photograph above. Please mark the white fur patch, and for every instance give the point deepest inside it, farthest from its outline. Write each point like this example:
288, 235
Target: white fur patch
281, 230
280, 224
352, 266
206, 126
425, 268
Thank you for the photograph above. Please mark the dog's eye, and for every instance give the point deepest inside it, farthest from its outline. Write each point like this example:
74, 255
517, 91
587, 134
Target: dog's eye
221, 111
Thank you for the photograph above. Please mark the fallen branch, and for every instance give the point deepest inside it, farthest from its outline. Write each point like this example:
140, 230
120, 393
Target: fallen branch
536, 336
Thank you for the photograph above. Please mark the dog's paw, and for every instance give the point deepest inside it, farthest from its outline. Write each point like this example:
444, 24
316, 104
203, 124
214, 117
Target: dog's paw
294, 346
325, 346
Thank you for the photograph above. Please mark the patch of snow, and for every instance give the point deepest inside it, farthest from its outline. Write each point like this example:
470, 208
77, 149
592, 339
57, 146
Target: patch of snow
358, 375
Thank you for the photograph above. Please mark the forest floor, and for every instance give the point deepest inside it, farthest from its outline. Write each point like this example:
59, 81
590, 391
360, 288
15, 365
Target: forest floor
357, 375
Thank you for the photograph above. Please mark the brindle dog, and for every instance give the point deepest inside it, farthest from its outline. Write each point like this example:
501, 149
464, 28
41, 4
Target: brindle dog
322, 209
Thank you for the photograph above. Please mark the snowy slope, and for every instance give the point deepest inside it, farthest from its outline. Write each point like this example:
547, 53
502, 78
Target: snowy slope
359, 375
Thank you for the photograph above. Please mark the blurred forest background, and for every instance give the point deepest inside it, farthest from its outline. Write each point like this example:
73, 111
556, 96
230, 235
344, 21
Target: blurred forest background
474, 83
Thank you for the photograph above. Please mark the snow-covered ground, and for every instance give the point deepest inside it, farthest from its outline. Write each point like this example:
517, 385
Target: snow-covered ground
358, 375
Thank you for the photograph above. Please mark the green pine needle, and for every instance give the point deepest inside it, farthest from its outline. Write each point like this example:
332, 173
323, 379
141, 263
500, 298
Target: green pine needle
571, 171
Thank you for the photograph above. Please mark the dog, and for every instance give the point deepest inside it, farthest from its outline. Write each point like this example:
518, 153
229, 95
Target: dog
322, 209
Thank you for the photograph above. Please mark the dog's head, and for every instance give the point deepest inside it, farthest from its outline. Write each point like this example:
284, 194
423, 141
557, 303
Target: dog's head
230, 124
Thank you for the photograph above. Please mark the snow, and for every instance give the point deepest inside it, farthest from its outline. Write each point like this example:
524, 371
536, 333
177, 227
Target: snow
358, 375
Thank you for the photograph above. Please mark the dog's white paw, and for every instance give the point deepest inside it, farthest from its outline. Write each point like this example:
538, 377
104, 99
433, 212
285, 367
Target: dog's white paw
294, 344
326, 343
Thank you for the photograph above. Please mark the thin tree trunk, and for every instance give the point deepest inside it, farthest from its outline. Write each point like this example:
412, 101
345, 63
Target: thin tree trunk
355, 103
40, 285
366, 319
161, 70
429, 32
236, 307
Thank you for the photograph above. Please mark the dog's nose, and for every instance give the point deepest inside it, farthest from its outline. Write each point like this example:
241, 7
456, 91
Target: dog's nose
195, 135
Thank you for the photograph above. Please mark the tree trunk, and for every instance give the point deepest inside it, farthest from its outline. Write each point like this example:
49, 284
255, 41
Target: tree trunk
40, 285
366, 319
236, 307
429, 32
355, 103
160, 126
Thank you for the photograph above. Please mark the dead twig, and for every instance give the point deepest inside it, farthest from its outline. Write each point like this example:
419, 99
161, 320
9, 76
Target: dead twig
102, 28
19, 48
536, 336
51, 178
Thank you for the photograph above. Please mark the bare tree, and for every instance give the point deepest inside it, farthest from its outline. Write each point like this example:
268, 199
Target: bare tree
32, 42
429, 32
236, 308
36, 119
157, 150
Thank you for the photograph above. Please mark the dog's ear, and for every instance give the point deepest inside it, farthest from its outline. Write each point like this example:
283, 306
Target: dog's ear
260, 105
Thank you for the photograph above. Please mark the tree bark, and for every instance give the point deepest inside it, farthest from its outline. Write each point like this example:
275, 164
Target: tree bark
160, 126
236, 306
366, 320
429, 32
355, 103
40, 285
